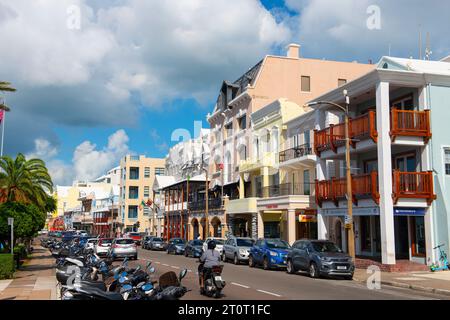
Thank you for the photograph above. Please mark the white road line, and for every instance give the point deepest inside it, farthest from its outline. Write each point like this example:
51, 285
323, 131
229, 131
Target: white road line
267, 292
240, 285
175, 267
165, 264
157, 262
189, 270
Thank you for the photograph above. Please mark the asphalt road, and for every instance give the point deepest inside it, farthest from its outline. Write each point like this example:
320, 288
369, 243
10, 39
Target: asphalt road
245, 283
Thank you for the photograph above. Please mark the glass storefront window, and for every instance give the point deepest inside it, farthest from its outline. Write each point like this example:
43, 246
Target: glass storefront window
418, 236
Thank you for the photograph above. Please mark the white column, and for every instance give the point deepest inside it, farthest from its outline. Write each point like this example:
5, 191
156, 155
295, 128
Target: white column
321, 167
385, 174
260, 224
426, 166
291, 226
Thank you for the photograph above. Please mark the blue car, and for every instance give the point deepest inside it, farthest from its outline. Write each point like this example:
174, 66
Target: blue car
270, 253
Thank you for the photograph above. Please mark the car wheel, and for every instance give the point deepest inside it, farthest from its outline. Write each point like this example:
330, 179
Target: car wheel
185, 253
266, 263
251, 263
290, 267
224, 257
313, 272
348, 277
236, 260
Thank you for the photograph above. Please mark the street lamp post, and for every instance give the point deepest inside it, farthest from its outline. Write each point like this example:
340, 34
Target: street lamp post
349, 222
206, 203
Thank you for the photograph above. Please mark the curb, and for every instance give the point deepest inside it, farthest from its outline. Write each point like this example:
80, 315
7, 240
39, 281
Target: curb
412, 287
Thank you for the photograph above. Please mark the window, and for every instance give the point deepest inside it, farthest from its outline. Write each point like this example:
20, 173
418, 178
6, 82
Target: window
134, 158
447, 160
147, 172
341, 82
229, 129
134, 173
159, 171
146, 192
133, 193
132, 212
242, 122
306, 84
146, 211
307, 138
306, 185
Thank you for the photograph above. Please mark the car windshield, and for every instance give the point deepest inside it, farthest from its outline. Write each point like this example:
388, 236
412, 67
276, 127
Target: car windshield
92, 240
218, 241
135, 234
245, 242
277, 244
177, 241
157, 239
124, 241
106, 240
197, 242
325, 247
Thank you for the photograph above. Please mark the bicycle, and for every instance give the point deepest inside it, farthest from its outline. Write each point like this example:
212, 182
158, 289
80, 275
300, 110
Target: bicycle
443, 263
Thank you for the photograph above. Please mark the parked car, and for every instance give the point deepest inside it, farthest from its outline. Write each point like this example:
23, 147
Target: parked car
237, 249
270, 253
219, 244
146, 241
102, 247
90, 244
193, 248
176, 246
136, 236
319, 258
157, 243
123, 248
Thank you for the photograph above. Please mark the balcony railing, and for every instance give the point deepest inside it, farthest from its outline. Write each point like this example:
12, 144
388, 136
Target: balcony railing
296, 152
413, 185
361, 127
363, 186
283, 189
416, 185
410, 123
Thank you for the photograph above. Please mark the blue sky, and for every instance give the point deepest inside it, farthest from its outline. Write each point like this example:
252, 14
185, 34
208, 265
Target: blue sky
133, 71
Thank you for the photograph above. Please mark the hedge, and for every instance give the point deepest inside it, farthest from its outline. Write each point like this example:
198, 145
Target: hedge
6, 266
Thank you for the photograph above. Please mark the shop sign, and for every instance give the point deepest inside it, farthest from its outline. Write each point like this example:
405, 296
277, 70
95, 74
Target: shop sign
272, 206
409, 211
307, 218
366, 211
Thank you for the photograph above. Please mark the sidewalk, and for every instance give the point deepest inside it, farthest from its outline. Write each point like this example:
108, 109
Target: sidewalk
35, 280
425, 281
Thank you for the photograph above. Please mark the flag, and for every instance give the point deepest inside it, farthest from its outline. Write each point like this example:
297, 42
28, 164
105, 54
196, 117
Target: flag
2, 114
149, 202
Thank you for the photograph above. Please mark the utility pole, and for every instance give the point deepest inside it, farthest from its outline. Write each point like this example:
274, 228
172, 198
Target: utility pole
206, 204
11, 223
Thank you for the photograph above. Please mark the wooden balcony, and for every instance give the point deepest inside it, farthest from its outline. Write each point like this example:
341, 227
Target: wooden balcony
412, 185
416, 185
363, 186
410, 123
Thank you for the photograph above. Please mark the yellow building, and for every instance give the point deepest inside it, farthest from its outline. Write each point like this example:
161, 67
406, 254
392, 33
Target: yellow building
137, 178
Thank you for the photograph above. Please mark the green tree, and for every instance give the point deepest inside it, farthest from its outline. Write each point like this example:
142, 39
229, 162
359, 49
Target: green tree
5, 86
26, 181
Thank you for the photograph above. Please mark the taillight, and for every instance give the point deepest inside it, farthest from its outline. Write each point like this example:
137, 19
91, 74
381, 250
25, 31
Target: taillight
114, 245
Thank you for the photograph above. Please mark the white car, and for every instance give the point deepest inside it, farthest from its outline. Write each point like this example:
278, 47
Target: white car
219, 244
102, 247
90, 243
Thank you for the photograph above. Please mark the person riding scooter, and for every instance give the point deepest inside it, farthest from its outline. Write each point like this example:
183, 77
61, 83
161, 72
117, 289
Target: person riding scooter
209, 259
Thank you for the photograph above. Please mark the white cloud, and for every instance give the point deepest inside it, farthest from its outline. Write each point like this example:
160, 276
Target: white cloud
88, 162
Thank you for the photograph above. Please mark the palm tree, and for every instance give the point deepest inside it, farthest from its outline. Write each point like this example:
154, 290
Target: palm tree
5, 86
23, 180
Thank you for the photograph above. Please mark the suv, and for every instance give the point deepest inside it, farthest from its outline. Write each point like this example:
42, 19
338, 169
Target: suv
237, 249
122, 248
157, 243
176, 246
269, 253
320, 257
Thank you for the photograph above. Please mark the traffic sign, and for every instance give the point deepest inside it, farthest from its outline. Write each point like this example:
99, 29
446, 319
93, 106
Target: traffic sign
348, 222
10, 221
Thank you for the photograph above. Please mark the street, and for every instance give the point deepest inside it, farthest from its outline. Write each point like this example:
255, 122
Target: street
245, 283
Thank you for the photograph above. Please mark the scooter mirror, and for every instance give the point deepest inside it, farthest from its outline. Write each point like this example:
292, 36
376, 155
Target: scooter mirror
122, 279
183, 273
152, 270
148, 264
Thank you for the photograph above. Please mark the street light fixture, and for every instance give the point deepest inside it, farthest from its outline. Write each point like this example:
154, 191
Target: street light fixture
349, 222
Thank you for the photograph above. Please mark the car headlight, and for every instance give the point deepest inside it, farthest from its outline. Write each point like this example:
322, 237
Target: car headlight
273, 253
324, 258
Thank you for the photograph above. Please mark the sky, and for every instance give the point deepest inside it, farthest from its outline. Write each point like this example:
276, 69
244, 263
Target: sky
98, 79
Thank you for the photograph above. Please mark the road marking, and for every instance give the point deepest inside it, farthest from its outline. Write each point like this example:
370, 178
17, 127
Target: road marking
271, 293
157, 262
189, 270
175, 267
165, 264
240, 285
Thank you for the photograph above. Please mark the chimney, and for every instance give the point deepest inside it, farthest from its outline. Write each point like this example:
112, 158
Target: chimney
293, 50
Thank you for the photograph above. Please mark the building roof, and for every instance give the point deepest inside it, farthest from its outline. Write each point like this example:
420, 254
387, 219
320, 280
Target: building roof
424, 66
162, 181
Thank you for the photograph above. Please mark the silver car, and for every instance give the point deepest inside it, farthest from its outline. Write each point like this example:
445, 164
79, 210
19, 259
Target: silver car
237, 249
90, 244
122, 248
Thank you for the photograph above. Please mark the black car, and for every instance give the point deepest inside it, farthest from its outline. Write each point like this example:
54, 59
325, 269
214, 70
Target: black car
157, 243
146, 241
319, 258
176, 246
193, 248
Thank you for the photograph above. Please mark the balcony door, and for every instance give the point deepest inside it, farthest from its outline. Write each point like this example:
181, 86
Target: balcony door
405, 103
406, 163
